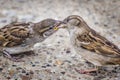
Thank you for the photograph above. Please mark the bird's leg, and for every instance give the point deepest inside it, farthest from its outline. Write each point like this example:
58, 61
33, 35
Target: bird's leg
87, 71
9, 56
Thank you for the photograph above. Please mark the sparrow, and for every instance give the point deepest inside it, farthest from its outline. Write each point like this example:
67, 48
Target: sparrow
93, 47
16, 38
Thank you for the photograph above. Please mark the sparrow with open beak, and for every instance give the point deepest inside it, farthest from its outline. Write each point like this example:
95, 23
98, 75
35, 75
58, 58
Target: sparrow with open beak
16, 38
93, 47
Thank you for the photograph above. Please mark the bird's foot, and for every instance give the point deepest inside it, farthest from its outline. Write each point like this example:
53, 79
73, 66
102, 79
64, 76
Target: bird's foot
86, 71
15, 59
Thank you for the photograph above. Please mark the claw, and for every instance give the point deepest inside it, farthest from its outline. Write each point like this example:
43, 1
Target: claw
7, 54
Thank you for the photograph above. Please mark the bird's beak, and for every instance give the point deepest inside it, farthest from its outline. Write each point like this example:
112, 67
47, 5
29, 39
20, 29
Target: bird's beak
59, 25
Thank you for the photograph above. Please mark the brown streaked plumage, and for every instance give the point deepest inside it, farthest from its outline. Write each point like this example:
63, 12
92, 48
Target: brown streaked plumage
13, 34
89, 44
16, 38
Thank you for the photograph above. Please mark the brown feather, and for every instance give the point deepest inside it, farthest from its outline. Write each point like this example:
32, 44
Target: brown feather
99, 44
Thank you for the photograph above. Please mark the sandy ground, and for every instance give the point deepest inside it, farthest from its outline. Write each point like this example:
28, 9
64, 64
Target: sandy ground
55, 59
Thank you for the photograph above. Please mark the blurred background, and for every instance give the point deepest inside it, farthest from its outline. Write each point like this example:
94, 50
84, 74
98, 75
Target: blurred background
98, 14
101, 15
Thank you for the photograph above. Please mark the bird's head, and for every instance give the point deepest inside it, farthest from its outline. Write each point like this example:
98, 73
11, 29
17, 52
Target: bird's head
73, 23
45, 27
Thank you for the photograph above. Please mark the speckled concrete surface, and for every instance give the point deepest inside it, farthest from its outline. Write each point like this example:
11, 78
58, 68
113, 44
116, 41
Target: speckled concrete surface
55, 59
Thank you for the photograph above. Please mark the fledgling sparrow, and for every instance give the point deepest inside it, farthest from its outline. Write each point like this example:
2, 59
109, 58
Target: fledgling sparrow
93, 47
16, 38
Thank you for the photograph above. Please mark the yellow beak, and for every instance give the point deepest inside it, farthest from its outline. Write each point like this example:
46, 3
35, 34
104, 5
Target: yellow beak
55, 28
60, 25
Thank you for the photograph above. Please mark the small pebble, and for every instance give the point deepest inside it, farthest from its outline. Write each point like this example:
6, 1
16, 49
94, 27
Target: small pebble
105, 25
36, 62
23, 71
14, 65
27, 73
31, 72
43, 66
58, 62
63, 73
48, 65
68, 51
8, 78
1, 69
33, 65
58, 42
25, 78
96, 23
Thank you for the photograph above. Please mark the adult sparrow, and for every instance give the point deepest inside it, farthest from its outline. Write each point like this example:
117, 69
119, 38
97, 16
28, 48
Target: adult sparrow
16, 38
93, 47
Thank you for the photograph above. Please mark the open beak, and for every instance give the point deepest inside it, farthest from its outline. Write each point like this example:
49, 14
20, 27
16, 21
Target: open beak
60, 24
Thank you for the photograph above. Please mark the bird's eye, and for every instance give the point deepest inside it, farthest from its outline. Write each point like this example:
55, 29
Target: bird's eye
50, 27
74, 22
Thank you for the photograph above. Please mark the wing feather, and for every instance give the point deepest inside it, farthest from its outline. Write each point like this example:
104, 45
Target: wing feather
99, 44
